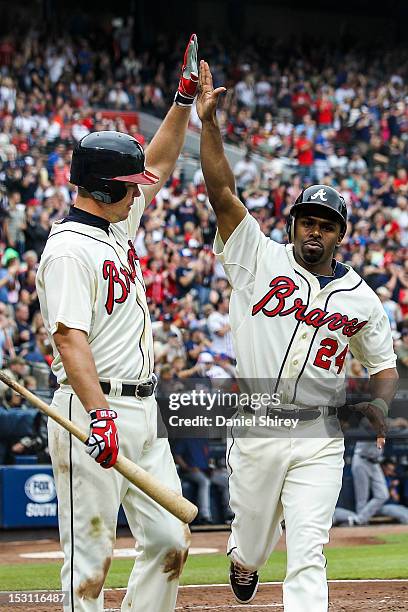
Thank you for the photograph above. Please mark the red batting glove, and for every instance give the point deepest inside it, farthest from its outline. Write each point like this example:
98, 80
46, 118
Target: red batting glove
188, 84
103, 444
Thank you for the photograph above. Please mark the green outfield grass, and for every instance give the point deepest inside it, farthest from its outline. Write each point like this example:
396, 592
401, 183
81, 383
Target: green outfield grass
383, 560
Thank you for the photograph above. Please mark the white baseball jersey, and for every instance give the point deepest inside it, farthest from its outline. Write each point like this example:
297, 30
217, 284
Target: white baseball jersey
290, 331
286, 327
90, 279
94, 283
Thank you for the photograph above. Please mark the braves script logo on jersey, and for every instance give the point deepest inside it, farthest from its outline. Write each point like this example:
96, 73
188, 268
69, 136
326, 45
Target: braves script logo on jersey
282, 288
123, 278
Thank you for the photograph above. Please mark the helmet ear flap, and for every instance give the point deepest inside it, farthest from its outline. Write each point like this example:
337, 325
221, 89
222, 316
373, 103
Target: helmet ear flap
289, 227
108, 192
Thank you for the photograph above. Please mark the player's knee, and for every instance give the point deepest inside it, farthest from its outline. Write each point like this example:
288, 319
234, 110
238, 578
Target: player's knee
175, 552
383, 496
170, 535
90, 586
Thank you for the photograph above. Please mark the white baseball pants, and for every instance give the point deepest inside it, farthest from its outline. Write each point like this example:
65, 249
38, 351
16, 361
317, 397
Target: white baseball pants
89, 498
295, 479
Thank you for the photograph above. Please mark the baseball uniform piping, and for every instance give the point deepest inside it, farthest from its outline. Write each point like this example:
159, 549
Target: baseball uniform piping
120, 246
92, 238
229, 476
229, 451
137, 301
293, 335
315, 333
141, 335
144, 319
71, 505
86, 236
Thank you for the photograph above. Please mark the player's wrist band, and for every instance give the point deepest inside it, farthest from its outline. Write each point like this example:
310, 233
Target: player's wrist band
381, 404
99, 414
181, 100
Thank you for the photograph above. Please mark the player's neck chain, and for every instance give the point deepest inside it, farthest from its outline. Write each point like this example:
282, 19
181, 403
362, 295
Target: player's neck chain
327, 275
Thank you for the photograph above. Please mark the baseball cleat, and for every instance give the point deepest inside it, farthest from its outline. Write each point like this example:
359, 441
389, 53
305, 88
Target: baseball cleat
244, 583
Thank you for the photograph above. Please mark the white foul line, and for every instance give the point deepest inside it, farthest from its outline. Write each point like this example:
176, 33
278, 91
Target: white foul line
249, 606
224, 607
334, 581
229, 606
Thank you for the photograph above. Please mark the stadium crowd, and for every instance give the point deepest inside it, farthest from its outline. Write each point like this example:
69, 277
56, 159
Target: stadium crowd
313, 115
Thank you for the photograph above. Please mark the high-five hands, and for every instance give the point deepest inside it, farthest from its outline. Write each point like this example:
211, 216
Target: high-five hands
207, 96
187, 88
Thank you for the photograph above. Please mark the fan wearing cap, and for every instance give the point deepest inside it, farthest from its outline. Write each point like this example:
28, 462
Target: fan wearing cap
94, 306
295, 313
187, 273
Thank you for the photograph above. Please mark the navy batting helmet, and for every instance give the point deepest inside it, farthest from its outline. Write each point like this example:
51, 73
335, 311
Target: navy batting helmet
102, 162
319, 199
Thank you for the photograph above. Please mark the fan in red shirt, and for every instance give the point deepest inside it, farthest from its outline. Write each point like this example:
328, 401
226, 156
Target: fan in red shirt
304, 152
155, 280
400, 182
325, 111
301, 103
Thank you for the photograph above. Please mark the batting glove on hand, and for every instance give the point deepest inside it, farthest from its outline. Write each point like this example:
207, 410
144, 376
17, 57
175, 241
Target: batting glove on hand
103, 444
188, 84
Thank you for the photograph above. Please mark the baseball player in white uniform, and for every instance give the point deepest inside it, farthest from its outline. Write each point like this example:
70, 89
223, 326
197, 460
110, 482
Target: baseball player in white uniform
294, 312
93, 302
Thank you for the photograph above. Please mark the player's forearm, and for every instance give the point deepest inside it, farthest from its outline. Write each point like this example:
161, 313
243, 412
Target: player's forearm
166, 145
384, 385
217, 172
79, 365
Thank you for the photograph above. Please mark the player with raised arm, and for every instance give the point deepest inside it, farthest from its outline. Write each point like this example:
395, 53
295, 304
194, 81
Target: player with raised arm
93, 302
295, 312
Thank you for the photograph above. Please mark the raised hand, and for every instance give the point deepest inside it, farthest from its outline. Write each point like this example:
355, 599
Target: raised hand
187, 87
207, 96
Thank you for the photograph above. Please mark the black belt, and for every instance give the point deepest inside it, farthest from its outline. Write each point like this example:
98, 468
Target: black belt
303, 414
370, 459
145, 389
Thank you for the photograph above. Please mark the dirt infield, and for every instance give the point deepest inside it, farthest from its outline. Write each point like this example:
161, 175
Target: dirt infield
361, 595
345, 596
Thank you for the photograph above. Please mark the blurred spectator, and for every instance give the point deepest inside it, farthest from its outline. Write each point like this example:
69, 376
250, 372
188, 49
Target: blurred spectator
22, 431
17, 370
393, 506
220, 330
246, 173
402, 359
192, 457
391, 308
367, 477
388, 485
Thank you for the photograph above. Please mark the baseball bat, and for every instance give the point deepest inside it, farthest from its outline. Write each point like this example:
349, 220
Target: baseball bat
171, 501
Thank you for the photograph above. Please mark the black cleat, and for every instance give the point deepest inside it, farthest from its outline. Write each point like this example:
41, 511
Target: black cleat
244, 583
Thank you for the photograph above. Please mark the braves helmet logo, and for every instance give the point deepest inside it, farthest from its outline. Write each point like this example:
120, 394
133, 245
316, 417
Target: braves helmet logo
319, 194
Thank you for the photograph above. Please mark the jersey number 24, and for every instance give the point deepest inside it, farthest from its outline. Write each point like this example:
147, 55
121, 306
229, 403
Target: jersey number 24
324, 356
